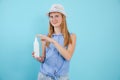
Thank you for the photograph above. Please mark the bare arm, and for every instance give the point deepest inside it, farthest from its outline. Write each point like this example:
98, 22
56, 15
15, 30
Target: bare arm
66, 53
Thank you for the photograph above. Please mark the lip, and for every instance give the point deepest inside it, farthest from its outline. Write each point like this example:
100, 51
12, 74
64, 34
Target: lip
55, 23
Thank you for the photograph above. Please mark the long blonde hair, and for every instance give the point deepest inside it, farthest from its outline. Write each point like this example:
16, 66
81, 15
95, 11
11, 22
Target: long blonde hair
64, 31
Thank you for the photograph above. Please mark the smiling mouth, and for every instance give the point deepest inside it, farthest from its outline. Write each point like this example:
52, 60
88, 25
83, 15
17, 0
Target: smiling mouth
55, 23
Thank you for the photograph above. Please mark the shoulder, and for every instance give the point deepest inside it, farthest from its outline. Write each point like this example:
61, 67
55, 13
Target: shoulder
73, 35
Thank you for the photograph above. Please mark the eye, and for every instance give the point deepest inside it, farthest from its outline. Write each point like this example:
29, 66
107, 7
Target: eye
51, 17
56, 15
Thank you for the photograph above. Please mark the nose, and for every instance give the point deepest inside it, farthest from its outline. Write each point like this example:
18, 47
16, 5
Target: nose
54, 19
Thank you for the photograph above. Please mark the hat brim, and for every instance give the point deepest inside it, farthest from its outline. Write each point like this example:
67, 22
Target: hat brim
56, 11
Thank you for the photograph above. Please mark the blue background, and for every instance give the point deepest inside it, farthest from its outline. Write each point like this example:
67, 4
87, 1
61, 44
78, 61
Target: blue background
95, 22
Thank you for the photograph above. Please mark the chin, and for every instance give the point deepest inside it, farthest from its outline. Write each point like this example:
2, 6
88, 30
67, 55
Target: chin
56, 25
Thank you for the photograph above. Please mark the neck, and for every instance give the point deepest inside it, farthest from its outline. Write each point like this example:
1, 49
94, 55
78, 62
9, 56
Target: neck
57, 30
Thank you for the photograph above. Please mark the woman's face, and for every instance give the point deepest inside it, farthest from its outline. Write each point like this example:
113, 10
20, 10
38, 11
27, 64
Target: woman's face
55, 19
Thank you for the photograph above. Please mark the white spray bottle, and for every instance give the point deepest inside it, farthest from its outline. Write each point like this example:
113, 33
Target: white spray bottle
36, 47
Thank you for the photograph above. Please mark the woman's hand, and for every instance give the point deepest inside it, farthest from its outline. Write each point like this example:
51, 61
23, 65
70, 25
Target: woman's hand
40, 58
45, 38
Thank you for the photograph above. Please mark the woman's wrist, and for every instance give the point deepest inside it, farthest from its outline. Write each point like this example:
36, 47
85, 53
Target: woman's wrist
42, 56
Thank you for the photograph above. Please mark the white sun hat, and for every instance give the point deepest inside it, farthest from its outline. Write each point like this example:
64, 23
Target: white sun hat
57, 8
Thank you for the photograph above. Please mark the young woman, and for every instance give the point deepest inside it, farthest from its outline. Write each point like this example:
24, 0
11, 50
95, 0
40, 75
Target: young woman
57, 47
